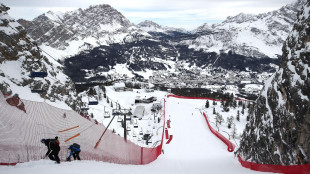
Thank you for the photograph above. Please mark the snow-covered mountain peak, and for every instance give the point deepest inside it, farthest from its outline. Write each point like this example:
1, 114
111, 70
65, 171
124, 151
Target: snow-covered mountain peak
98, 14
148, 23
67, 34
240, 18
203, 28
54, 16
251, 35
150, 26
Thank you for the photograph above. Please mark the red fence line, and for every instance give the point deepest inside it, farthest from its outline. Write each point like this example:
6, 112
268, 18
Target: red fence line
229, 144
168, 123
292, 169
203, 98
8, 164
170, 138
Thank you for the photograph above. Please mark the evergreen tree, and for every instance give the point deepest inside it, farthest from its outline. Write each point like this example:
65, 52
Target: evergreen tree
207, 104
235, 104
251, 109
242, 111
234, 132
238, 116
230, 121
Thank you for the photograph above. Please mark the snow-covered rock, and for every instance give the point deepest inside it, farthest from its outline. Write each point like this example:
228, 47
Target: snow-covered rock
279, 128
20, 57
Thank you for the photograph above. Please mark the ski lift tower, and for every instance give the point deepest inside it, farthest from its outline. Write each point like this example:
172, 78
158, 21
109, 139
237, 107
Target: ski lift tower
125, 113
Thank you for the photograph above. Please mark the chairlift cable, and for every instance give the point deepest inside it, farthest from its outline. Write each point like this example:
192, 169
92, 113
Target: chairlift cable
27, 37
37, 47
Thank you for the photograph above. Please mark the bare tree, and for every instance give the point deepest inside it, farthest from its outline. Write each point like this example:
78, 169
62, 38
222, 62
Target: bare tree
218, 119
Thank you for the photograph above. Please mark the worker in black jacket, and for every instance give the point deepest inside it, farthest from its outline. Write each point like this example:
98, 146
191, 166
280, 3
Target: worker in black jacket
53, 148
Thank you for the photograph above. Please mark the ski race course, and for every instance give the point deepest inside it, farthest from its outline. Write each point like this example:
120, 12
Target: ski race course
191, 148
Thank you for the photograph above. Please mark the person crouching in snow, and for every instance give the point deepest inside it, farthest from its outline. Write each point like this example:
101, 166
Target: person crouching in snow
75, 151
53, 149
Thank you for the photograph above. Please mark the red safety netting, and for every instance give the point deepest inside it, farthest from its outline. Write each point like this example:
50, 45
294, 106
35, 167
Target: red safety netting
170, 138
292, 169
167, 133
229, 144
45, 121
168, 124
203, 98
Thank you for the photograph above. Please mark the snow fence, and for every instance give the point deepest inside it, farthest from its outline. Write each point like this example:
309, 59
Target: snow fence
21, 132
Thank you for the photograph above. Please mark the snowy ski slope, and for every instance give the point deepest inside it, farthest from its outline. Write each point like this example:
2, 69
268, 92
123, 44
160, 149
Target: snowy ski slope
193, 149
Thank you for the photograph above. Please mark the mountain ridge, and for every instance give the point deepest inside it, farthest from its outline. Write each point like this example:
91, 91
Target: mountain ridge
223, 36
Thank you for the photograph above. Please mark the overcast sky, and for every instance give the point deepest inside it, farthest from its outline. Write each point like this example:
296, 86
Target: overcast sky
187, 14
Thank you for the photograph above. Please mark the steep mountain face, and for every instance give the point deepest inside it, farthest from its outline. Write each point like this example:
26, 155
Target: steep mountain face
20, 56
250, 35
279, 128
68, 34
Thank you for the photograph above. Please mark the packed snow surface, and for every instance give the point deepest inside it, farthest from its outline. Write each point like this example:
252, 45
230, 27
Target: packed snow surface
193, 149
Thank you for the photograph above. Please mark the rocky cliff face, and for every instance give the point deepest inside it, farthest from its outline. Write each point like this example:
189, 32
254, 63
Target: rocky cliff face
279, 128
68, 34
20, 56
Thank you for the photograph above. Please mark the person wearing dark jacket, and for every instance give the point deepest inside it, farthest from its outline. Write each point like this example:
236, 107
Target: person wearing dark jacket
75, 151
53, 148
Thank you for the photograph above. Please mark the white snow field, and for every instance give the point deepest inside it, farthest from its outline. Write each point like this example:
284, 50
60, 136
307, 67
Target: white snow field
193, 149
